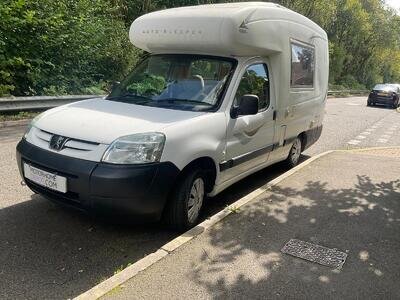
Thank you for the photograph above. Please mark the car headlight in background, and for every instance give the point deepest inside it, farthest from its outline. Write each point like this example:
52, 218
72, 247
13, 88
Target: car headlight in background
135, 149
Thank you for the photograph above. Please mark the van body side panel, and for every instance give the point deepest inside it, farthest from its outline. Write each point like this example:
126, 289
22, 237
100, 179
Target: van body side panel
203, 136
249, 139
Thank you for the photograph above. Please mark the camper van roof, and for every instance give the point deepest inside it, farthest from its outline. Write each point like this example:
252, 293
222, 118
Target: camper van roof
247, 28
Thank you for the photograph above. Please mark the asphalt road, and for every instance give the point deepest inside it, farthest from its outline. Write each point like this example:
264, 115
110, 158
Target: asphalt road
49, 252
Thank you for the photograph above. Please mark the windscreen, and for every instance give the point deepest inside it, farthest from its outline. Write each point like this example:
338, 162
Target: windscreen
384, 87
187, 82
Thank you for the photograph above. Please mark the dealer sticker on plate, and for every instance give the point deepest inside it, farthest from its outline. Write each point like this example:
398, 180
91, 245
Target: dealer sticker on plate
46, 179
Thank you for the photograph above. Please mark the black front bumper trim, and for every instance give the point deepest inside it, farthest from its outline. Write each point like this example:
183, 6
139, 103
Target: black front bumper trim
139, 191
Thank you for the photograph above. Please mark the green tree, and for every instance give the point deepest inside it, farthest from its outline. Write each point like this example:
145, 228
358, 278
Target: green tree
80, 46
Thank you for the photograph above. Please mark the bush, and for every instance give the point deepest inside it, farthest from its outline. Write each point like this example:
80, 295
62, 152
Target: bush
61, 47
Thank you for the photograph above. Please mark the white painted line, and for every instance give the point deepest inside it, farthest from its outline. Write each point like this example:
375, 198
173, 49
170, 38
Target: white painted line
369, 149
366, 133
370, 129
353, 142
386, 136
353, 104
109, 284
382, 141
361, 137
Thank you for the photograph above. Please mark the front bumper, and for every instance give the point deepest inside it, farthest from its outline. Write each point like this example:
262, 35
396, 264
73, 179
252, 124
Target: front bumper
102, 188
389, 100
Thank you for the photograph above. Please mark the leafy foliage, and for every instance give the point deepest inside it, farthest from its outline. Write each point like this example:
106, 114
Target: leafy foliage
80, 46
60, 46
148, 85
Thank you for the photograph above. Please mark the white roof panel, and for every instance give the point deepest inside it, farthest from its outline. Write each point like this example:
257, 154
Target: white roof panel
246, 28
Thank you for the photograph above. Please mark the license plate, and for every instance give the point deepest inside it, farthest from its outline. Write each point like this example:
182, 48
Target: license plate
46, 179
382, 94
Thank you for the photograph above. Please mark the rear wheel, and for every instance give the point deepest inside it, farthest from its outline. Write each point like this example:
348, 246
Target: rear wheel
295, 152
186, 201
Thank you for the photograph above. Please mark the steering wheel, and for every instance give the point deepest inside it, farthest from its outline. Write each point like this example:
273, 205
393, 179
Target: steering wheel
201, 79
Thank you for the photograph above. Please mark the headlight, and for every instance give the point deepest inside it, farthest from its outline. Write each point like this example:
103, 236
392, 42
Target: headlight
136, 149
31, 125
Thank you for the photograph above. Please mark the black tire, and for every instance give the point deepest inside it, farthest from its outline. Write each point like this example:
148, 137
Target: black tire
176, 213
294, 154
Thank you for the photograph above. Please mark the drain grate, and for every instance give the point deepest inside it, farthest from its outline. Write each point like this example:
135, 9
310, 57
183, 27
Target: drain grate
315, 253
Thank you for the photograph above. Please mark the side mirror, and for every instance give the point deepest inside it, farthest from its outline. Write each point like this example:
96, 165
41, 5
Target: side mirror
248, 106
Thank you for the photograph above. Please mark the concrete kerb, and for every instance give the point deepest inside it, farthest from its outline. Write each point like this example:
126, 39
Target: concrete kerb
118, 279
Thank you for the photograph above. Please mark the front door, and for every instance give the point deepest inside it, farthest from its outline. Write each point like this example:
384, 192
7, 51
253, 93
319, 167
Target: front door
250, 138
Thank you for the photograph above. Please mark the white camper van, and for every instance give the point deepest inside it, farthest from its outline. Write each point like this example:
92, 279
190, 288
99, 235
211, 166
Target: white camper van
227, 90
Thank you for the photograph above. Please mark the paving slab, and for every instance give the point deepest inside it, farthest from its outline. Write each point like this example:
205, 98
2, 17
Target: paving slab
347, 201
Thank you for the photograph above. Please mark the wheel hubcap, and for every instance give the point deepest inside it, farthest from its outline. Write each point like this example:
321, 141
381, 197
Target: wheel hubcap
296, 151
195, 199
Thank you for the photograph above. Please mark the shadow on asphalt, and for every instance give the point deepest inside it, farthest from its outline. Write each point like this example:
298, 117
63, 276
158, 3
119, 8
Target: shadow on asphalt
382, 107
362, 219
50, 252
244, 187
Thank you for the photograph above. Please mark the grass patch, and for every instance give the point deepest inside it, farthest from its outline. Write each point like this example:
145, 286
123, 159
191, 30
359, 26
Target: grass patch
121, 268
233, 209
14, 116
115, 290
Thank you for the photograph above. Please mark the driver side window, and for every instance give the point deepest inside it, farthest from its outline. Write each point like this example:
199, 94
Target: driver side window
255, 81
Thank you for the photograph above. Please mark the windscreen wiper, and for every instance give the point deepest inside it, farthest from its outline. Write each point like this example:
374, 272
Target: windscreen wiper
127, 97
176, 100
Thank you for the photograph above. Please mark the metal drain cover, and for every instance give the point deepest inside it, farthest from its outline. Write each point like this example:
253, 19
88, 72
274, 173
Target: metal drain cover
315, 253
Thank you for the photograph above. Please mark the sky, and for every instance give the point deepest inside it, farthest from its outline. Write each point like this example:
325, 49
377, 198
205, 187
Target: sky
394, 3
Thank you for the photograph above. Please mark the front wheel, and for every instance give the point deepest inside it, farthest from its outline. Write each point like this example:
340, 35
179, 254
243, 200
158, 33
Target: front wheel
184, 206
295, 152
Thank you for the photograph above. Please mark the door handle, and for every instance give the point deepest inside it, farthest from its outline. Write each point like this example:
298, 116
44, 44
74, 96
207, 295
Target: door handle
274, 115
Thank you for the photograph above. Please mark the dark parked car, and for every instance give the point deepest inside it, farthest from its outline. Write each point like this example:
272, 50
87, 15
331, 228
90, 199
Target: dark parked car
385, 94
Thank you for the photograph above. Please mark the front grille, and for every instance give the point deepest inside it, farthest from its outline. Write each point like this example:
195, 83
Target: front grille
384, 98
74, 144
69, 198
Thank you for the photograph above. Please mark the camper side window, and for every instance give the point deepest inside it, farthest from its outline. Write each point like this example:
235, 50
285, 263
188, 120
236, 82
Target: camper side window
255, 81
302, 75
